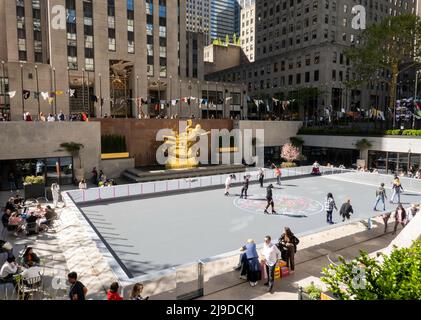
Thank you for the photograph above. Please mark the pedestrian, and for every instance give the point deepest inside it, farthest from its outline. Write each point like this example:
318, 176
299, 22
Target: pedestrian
61, 116
400, 217
77, 290
245, 187
271, 256
330, 205
228, 182
250, 266
82, 184
94, 176
386, 217
269, 198
55, 191
380, 196
136, 293
346, 210
113, 294
51, 118
278, 174
397, 189
289, 242
12, 182
261, 177
412, 212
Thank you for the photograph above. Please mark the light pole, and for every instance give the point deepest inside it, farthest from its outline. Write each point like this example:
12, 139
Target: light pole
83, 89
179, 101
3, 83
170, 96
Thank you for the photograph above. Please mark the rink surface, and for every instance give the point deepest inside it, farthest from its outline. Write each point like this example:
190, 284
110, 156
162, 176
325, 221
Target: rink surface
156, 233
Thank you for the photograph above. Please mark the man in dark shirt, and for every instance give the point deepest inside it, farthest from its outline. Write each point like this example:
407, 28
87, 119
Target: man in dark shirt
77, 290
269, 198
245, 187
5, 217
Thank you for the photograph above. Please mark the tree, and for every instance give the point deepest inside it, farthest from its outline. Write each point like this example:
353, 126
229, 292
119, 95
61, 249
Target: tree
234, 39
74, 149
393, 277
296, 142
290, 153
391, 45
227, 40
362, 144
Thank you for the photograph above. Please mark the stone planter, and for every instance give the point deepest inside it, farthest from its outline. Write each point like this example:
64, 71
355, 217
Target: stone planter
34, 191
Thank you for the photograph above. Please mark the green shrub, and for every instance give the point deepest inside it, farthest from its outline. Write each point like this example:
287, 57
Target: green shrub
34, 180
313, 291
288, 165
358, 132
113, 143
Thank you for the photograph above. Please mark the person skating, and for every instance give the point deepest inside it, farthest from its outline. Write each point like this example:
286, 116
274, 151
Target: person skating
228, 182
397, 189
346, 210
261, 177
330, 205
380, 196
245, 187
269, 198
278, 174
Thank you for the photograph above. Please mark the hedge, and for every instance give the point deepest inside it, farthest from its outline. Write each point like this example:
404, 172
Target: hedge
113, 144
358, 132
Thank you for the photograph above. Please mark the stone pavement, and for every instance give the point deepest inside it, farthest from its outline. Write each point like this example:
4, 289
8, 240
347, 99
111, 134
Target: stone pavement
314, 253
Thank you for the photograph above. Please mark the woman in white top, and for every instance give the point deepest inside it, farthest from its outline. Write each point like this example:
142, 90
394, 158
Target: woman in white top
82, 184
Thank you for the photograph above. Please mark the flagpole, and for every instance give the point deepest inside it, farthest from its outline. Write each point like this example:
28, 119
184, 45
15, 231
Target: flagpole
138, 102
190, 99
51, 89
83, 89
21, 84
207, 93
55, 91
3, 84
199, 99
36, 76
89, 95
170, 96
179, 106
68, 81
100, 94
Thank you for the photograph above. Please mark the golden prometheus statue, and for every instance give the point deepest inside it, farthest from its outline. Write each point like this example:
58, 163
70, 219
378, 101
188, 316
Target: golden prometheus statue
181, 155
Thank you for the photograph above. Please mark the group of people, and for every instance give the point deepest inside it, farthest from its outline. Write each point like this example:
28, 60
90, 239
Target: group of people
18, 217
250, 264
51, 117
345, 211
78, 290
98, 179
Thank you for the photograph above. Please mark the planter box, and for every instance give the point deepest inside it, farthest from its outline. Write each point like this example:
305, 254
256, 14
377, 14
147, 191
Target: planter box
34, 191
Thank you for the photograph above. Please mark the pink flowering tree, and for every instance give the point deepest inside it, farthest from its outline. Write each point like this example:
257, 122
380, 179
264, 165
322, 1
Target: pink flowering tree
290, 153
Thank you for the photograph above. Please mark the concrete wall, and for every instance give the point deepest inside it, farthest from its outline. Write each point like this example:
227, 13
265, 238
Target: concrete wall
141, 134
277, 133
113, 168
390, 143
28, 140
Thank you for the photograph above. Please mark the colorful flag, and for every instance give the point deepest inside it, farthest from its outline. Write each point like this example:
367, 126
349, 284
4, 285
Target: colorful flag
26, 94
11, 94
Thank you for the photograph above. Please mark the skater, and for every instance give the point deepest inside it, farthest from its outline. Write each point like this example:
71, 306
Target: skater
380, 196
245, 187
386, 218
397, 189
261, 177
55, 191
346, 210
278, 174
330, 205
228, 182
269, 198
400, 217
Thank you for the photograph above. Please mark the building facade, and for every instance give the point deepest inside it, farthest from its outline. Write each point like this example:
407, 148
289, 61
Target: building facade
248, 28
198, 17
225, 19
101, 57
300, 44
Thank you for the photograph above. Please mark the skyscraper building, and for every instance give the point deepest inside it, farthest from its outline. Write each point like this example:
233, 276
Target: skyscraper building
225, 18
198, 17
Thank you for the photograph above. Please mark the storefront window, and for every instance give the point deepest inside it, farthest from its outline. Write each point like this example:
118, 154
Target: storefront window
392, 162
377, 160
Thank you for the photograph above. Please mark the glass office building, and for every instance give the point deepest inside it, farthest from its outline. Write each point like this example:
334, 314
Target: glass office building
224, 19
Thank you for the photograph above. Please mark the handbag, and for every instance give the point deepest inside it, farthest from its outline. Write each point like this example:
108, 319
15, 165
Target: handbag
7, 246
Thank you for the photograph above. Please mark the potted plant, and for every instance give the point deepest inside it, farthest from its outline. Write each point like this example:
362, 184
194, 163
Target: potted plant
311, 292
74, 149
34, 187
290, 154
